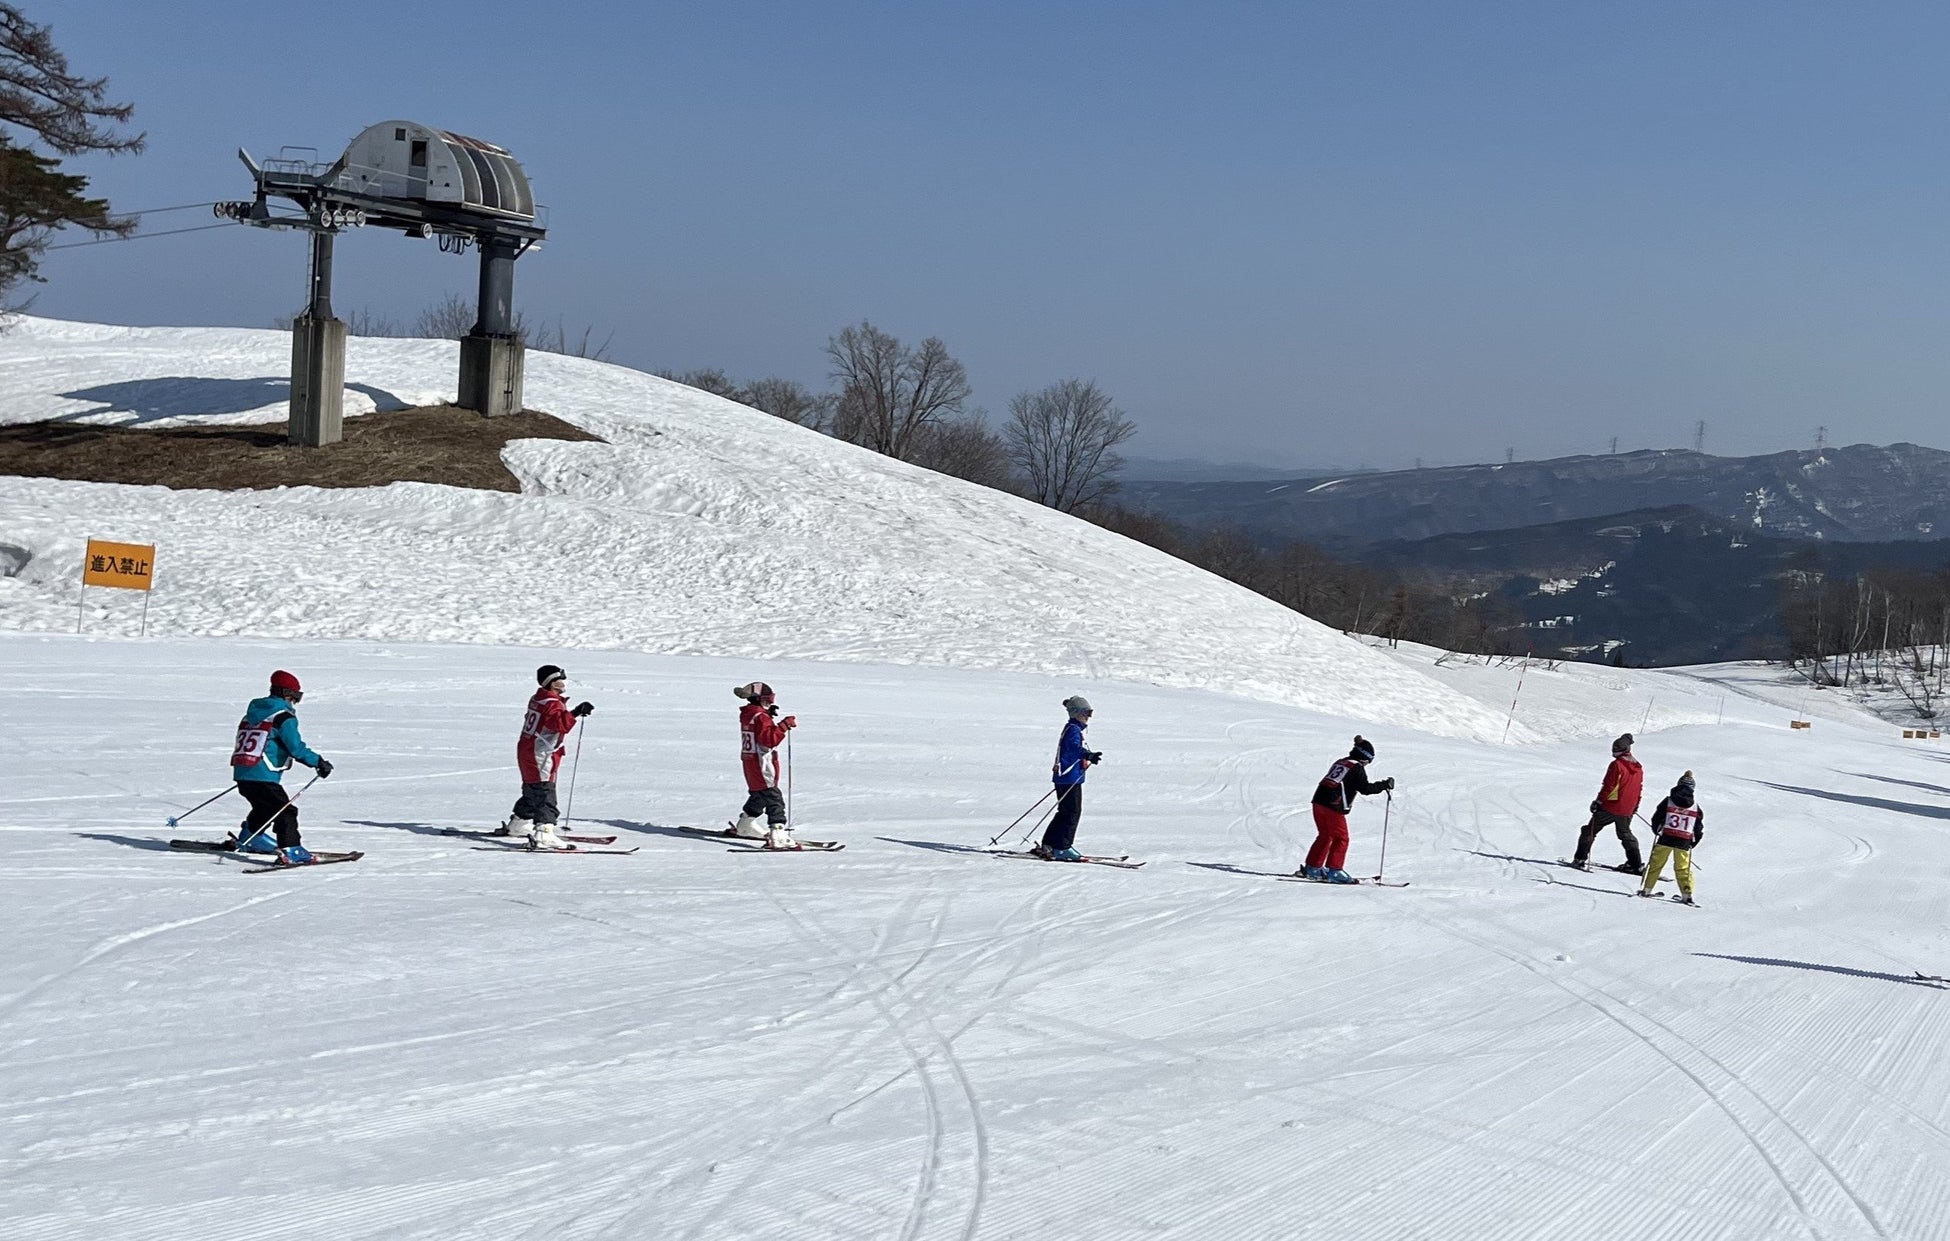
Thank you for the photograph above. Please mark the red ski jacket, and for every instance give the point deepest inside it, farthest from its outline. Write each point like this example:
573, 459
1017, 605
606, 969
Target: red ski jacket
759, 736
544, 731
1624, 780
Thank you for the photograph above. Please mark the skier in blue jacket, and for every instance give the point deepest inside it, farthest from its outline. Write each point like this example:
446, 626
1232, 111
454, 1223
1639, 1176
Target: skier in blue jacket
1072, 761
267, 744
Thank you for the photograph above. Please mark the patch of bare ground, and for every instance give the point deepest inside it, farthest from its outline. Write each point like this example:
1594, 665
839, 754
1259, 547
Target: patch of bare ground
432, 444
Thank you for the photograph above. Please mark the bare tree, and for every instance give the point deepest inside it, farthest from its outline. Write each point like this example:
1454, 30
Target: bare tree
889, 392
707, 379
791, 400
1061, 440
450, 318
42, 101
965, 448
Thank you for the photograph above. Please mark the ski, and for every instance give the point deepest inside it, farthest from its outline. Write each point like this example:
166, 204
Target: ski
803, 846
317, 859
1685, 900
581, 840
576, 849
207, 846
1922, 977
1586, 867
1122, 862
817, 846
1360, 883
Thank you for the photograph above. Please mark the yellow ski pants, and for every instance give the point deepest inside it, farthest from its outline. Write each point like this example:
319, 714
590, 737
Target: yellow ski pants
1682, 868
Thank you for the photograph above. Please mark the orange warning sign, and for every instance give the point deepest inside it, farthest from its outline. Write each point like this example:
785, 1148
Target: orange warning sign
131, 566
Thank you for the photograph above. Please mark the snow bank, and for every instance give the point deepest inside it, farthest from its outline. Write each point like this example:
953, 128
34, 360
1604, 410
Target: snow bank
702, 527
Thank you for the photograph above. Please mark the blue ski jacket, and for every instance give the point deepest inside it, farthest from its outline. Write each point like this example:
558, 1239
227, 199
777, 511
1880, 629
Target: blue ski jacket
268, 741
1070, 766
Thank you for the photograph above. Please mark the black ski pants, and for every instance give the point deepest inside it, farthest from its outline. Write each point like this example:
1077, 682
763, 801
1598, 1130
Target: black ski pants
1062, 833
269, 804
537, 802
1599, 820
768, 802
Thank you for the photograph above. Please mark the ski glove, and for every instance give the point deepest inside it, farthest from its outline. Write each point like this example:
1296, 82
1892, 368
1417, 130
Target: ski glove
790, 721
1389, 784
1597, 807
583, 708
1095, 756
324, 767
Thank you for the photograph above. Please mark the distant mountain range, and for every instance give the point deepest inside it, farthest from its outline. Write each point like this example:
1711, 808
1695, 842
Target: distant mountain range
1675, 556
1671, 585
1193, 470
1863, 493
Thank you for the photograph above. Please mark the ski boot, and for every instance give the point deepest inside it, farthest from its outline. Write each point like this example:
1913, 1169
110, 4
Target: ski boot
779, 836
1685, 898
747, 827
1039, 850
295, 855
1337, 875
1646, 892
1065, 855
1578, 863
1315, 873
1630, 868
514, 826
544, 840
260, 842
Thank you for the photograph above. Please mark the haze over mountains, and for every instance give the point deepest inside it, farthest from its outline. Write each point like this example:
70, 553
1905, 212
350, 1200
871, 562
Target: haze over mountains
1675, 556
1863, 492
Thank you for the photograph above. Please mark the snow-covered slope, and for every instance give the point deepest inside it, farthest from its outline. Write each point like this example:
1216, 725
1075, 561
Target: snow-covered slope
701, 527
906, 1041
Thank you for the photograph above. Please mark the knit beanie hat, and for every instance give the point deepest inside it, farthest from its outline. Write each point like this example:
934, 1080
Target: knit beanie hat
547, 673
1623, 744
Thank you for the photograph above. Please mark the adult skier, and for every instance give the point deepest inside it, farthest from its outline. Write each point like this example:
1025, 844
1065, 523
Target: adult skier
1066, 773
1346, 779
268, 743
1678, 824
1617, 802
760, 733
544, 738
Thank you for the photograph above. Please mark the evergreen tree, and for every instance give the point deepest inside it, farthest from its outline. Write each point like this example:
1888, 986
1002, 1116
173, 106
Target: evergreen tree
43, 104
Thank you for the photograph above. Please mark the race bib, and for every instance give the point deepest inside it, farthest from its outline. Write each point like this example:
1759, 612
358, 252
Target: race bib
252, 739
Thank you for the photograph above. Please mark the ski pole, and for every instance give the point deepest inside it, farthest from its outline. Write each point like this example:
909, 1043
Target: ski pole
1048, 814
569, 811
1387, 808
175, 819
289, 802
1037, 826
788, 780
997, 838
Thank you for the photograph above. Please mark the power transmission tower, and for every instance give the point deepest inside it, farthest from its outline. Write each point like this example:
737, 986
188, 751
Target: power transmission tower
1699, 436
1821, 438
1509, 456
1614, 445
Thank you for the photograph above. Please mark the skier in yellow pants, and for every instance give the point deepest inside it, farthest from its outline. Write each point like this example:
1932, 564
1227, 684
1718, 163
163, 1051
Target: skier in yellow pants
1677, 825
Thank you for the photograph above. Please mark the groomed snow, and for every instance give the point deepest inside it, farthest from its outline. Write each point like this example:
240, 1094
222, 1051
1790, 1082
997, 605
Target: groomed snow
908, 1039
911, 1040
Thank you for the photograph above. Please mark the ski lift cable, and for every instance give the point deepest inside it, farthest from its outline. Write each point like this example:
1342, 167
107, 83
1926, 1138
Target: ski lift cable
172, 232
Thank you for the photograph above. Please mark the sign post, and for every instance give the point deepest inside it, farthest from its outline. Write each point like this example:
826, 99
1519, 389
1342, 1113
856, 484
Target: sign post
123, 566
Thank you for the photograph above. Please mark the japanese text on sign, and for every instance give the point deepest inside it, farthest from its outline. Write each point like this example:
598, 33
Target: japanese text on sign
130, 566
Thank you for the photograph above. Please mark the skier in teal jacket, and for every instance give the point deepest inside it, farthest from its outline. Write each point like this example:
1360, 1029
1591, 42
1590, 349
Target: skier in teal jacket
267, 744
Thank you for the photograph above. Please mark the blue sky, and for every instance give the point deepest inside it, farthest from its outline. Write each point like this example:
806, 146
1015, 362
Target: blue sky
1286, 233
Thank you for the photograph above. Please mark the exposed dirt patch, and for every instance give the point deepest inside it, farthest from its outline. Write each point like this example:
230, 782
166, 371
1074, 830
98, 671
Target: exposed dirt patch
433, 444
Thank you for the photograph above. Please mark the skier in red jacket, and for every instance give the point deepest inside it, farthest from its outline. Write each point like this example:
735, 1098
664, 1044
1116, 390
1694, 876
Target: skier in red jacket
1617, 801
760, 733
544, 738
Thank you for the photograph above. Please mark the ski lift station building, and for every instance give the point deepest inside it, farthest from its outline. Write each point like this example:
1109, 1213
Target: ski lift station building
404, 160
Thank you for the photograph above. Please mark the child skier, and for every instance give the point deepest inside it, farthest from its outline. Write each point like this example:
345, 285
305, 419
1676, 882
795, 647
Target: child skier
1066, 773
1618, 800
268, 743
1677, 825
1326, 861
544, 737
760, 733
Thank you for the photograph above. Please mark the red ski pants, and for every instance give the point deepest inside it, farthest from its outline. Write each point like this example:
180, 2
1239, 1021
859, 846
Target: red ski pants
1330, 846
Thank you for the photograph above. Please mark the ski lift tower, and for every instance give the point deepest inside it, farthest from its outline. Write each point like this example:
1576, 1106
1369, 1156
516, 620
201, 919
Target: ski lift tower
425, 182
